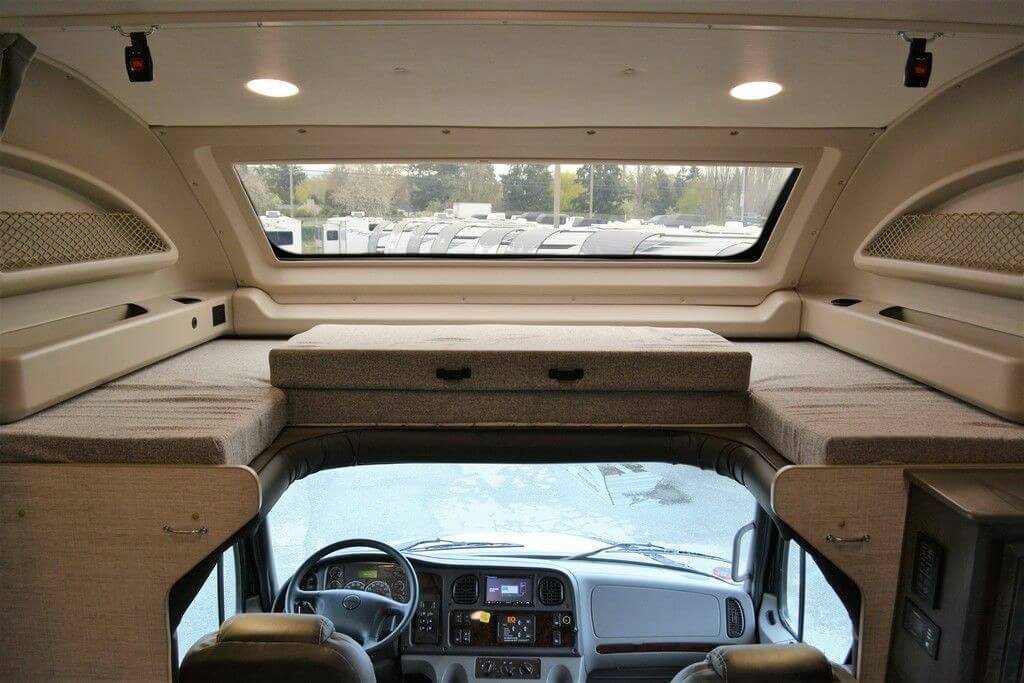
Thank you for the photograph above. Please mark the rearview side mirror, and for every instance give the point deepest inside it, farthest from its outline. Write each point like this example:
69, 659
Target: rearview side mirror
737, 543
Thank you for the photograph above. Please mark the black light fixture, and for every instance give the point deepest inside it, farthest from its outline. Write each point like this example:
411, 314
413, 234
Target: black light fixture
138, 61
918, 68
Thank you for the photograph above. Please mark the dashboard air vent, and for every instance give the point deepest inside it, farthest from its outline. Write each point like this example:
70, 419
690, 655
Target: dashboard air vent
550, 591
733, 618
465, 590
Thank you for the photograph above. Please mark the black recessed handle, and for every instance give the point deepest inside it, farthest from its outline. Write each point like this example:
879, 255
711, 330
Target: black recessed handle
454, 374
566, 375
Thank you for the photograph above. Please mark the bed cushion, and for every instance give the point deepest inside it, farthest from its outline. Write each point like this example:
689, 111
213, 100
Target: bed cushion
212, 404
817, 405
511, 375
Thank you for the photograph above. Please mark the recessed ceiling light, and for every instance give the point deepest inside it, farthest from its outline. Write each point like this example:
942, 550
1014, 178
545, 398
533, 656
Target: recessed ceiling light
270, 87
756, 90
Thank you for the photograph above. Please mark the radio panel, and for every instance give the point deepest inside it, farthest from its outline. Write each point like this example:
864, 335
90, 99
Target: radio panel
484, 628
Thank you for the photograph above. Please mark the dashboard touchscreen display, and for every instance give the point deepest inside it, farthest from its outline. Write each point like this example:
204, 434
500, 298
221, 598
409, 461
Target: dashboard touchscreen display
509, 590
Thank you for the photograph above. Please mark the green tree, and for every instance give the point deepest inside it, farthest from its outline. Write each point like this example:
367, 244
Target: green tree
527, 187
570, 189
663, 193
432, 186
611, 189
279, 178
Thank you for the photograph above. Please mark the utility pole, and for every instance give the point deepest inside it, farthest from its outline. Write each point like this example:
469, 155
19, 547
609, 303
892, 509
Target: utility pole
558, 197
591, 174
291, 191
743, 198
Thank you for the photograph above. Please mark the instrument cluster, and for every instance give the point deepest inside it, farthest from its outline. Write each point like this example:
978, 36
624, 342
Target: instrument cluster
382, 578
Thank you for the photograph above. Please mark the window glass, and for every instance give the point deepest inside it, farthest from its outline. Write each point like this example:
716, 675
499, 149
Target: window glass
826, 624
556, 509
202, 617
791, 588
513, 209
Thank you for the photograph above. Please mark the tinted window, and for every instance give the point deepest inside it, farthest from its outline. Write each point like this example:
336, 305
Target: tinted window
551, 209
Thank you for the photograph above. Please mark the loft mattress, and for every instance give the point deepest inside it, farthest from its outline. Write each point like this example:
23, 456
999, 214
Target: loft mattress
401, 375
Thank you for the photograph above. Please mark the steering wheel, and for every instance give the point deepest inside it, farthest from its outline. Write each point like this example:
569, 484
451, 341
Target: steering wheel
358, 614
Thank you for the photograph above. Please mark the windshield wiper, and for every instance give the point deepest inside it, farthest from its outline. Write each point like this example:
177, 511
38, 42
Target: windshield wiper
651, 552
427, 545
644, 548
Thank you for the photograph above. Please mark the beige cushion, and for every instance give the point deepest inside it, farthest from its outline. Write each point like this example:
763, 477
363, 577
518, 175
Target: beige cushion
509, 358
211, 404
817, 405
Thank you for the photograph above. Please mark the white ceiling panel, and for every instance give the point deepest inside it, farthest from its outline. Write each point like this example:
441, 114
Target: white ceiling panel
975, 11
516, 75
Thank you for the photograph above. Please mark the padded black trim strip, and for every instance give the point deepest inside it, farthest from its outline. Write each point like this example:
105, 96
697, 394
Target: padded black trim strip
729, 452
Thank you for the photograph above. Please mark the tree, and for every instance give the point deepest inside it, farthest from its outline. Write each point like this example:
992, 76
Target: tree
610, 189
476, 183
432, 186
262, 198
719, 190
279, 179
570, 189
368, 187
662, 194
527, 187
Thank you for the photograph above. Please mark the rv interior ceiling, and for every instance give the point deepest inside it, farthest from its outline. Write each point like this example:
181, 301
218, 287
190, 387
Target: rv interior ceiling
584, 341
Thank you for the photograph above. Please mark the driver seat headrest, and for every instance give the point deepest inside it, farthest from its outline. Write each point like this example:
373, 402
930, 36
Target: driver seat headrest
266, 648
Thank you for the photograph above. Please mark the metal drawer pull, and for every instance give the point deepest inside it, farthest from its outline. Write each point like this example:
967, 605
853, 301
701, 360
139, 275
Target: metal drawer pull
852, 539
187, 532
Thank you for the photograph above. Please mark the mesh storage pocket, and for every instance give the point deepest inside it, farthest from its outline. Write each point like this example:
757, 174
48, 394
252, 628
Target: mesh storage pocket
984, 241
37, 239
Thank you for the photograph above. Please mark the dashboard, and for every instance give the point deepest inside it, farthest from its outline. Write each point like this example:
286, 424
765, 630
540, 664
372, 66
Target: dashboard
552, 620
382, 578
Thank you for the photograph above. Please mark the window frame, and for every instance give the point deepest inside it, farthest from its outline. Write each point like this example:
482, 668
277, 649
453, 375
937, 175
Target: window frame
750, 255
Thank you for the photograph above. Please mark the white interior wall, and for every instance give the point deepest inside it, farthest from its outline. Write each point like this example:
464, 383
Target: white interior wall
973, 124
64, 118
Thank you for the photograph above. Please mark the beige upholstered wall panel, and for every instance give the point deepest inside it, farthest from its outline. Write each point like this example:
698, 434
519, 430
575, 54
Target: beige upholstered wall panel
61, 117
86, 568
851, 501
815, 501
976, 124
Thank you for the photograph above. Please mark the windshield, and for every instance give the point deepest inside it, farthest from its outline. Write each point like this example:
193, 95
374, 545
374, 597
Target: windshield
477, 209
554, 510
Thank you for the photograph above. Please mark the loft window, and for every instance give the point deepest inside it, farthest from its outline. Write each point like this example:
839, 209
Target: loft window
517, 210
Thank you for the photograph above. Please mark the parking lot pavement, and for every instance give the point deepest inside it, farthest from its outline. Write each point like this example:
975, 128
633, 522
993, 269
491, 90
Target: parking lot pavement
639, 502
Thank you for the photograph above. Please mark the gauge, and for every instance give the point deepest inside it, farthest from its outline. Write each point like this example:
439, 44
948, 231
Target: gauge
399, 589
379, 587
333, 577
355, 586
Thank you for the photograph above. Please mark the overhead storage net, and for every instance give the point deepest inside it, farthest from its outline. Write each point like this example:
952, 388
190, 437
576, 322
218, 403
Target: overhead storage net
983, 241
37, 239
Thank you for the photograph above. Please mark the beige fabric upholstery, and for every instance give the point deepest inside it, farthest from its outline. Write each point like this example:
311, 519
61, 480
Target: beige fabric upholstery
214, 404
519, 408
509, 358
817, 405
211, 404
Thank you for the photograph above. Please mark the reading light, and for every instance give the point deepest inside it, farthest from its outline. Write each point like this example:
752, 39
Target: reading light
271, 87
756, 90
138, 61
